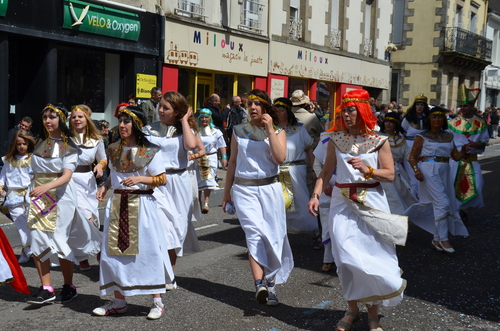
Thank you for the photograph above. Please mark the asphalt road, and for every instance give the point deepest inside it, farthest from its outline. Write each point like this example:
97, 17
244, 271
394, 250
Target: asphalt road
216, 290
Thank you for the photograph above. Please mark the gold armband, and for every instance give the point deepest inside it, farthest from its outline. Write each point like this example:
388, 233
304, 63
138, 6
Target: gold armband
104, 164
158, 180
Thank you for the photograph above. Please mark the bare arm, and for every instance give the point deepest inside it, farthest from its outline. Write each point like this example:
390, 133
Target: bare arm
231, 168
277, 142
189, 138
414, 156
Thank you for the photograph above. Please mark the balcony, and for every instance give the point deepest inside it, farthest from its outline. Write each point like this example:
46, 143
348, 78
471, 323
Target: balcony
251, 17
467, 49
192, 9
335, 38
367, 47
295, 30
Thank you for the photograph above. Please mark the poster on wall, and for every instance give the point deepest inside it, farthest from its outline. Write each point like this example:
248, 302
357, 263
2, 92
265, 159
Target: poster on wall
144, 85
277, 88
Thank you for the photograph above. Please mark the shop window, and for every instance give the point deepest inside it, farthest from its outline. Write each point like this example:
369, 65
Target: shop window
244, 85
186, 84
81, 77
224, 88
297, 84
324, 95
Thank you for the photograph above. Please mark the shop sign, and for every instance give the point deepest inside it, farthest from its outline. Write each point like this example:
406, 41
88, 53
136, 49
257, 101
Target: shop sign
206, 49
289, 60
3, 7
96, 19
144, 85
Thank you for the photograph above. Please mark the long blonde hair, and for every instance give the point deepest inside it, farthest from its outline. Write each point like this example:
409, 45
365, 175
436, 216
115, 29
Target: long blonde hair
91, 131
12, 148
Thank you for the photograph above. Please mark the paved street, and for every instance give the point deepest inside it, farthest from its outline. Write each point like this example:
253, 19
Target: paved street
216, 290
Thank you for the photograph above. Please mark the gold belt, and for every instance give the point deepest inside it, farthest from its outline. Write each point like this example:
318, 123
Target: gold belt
441, 159
470, 158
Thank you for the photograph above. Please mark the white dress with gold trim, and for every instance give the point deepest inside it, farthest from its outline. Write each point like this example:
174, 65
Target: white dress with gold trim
147, 268
298, 219
367, 264
16, 177
177, 204
86, 185
212, 139
61, 231
437, 211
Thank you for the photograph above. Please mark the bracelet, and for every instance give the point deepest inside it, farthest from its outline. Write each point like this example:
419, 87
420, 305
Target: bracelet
370, 174
158, 180
415, 168
224, 156
315, 196
104, 164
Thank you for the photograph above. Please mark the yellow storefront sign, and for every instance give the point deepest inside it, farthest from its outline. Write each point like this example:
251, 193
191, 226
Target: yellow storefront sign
144, 85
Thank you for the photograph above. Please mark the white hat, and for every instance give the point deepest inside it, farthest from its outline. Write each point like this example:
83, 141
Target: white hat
299, 98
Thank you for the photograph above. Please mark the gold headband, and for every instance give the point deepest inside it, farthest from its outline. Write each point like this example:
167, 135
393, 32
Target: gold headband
80, 109
136, 119
437, 113
279, 103
57, 111
346, 100
392, 119
256, 97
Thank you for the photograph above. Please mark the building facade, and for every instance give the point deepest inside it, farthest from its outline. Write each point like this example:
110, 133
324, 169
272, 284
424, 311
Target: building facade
328, 47
215, 47
490, 82
73, 52
441, 45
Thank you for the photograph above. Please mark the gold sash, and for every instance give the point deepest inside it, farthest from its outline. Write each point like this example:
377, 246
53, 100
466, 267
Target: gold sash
204, 168
114, 224
36, 218
286, 187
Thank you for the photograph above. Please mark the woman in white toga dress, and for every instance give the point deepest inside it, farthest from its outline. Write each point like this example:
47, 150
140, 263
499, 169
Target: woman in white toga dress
437, 211
91, 145
362, 230
257, 149
134, 256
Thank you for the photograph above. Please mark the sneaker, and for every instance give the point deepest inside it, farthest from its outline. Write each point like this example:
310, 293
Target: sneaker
156, 311
272, 299
41, 296
261, 293
67, 294
171, 287
23, 258
84, 265
110, 308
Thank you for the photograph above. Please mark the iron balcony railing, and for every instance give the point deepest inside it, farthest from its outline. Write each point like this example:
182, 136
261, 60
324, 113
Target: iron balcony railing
335, 38
251, 16
191, 9
295, 31
465, 42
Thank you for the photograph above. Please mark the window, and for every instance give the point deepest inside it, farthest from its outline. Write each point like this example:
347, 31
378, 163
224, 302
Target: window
191, 8
368, 43
335, 32
473, 22
458, 21
251, 17
398, 19
295, 31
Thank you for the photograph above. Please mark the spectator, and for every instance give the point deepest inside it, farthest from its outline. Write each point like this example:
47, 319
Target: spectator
312, 124
373, 105
150, 107
236, 115
218, 116
132, 100
494, 119
25, 124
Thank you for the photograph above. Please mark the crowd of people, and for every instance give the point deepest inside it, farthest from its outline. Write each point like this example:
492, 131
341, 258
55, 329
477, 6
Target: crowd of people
352, 182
